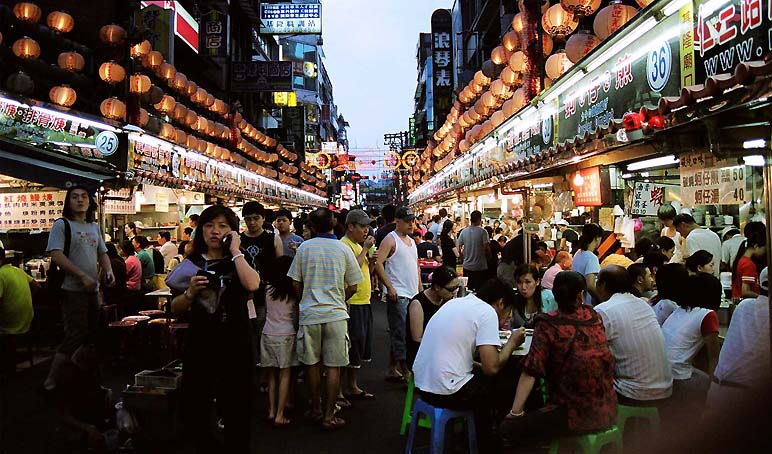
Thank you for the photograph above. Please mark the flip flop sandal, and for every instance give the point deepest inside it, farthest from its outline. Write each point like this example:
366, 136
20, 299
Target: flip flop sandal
334, 424
364, 395
343, 402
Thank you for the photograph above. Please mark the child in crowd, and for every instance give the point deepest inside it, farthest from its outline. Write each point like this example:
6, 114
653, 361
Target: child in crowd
277, 347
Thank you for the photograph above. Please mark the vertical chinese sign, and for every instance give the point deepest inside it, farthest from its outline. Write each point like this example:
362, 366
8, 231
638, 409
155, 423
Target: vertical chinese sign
647, 198
214, 31
442, 65
588, 192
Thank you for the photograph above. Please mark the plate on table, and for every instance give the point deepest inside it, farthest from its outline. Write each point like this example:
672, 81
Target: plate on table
152, 313
136, 318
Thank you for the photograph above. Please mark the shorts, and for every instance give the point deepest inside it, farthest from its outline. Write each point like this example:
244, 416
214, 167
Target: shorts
80, 314
278, 351
396, 312
360, 327
325, 342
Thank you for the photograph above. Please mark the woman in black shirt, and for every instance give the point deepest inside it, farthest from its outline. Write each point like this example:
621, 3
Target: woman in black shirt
218, 358
448, 245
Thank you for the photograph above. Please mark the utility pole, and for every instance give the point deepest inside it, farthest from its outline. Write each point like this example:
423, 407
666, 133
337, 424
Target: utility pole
397, 143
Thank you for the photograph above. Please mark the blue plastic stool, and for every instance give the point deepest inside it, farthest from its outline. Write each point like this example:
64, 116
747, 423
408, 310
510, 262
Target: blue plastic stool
439, 418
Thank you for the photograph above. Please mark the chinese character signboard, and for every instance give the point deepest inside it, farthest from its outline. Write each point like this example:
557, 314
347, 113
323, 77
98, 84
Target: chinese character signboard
625, 82
647, 198
35, 211
254, 76
727, 33
706, 180
290, 18
528, 137
120, 202
589, 192
214, 32
442, 65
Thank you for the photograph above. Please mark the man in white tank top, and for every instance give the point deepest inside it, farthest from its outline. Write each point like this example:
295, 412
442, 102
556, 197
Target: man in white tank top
398, 270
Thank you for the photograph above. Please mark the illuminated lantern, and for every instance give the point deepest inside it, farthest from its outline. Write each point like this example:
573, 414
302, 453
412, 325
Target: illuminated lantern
191, 118
201, 124
580, 44
547, 83
557, 64
63, 95
144, 117
199, 97
210, 148
20, 82
26, 48
517, 62
139, 84
209, 101
498, 88
497, 118
191, 89
166, 105
546, 45
508, 77
166, 71
509, 108
167, 131
558, 22
499, 55
179, 112
111, 72
511, 41
219, 106
141, 49
113, 109
153, 59
519, 98
463, 146
518, 22
192, 142
180, 137
581, 8
180, 82
612, 18
480, 108
480, 79
477, 88
112, 34
60, 21
644, 3
27, 12
71, 61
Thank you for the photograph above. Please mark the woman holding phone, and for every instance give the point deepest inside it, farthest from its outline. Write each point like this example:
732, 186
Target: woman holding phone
218, 361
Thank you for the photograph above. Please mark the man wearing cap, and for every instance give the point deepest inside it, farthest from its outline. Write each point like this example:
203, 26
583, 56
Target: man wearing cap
567, 235
398, 270
360, 322
732, 239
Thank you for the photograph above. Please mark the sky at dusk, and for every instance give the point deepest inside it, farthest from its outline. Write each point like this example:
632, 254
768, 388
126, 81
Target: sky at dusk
371, 59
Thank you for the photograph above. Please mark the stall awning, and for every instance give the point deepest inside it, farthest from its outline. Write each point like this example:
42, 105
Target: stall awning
26, 162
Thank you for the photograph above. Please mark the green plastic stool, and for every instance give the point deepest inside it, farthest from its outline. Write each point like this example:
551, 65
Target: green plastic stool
591, 443
625, 412
423, 421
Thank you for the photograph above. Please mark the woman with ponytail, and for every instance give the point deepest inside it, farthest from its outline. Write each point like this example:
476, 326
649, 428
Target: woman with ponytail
745, 283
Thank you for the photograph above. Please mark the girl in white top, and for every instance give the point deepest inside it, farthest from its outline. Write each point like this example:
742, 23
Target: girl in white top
666, 213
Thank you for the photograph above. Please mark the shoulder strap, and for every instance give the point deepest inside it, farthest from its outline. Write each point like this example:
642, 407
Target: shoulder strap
67, 236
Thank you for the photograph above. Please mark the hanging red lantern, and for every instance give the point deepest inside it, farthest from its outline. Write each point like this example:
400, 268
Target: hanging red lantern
26, 48
60, 21
140, 50
63, 95
71, 61
612, 18
139, 84
558, 22
27, 12
112, 72
113, 108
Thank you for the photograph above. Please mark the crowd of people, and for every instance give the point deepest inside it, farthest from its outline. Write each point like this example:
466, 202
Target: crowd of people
266, 305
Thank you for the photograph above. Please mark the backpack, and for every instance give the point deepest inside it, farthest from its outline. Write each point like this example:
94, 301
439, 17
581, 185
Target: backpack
55, 276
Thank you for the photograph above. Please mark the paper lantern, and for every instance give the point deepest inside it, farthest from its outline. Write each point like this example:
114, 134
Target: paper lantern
179, 112
644, 3
192, 142
166, 131
20, 82
180, 137
155, 95
139, 84
27, 12
612, 18
71, 61
191, 89
153, 59
144, 117
498, 88
60, 21
519, 99
219, 106
200, 96
112, 34
180, 82
26, 48
201, 124
518, 22
166, 105
558, 22
581, 8
111, 72
63, 95
140, 50
546, 44
580, 44
190, 118
499, 55
517, 62
497, 118
508, 77
509, 108
557, 64
209, 101
166, 71
511, 41
113, 108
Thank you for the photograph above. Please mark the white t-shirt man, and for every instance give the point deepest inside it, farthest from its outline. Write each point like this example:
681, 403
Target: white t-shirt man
745, 355
168, 250
707, 240
444, 361
641, 367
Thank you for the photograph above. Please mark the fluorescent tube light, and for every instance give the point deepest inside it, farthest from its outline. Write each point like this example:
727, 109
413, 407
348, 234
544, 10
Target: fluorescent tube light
622, 44
755, 160
656, 162
755, 143
674, 7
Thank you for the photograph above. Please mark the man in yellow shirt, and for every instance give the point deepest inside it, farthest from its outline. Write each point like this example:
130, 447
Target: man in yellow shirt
15, 307
360, 322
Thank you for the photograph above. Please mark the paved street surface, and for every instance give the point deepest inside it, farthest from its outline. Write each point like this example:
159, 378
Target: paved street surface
373, 425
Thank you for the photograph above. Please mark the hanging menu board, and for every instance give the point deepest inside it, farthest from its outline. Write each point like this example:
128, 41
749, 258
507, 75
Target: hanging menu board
30, 210
647, 198
706, 180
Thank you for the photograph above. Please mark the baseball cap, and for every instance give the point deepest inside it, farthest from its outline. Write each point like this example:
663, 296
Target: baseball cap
764, 278
405, 214
358, 217
727, 230
562, 222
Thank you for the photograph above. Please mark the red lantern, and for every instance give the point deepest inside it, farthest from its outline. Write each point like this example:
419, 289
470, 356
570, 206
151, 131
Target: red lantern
26, 48
631, 121
657, 122
112, 72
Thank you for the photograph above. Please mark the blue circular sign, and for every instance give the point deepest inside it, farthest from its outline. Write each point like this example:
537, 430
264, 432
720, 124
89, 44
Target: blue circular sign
659, 65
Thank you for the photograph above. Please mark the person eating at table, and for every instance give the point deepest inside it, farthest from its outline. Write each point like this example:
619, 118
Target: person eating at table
426, 246
424, 305
444, 370
531, 298
570, 352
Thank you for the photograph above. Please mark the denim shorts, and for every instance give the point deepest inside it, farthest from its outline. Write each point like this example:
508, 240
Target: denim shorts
396, 312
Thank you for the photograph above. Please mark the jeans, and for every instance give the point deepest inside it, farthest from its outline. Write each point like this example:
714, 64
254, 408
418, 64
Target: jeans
396, 312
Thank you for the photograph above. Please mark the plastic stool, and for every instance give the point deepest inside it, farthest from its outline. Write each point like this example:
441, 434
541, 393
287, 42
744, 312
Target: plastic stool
406, 412
591, 443
439, 418
625, 412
